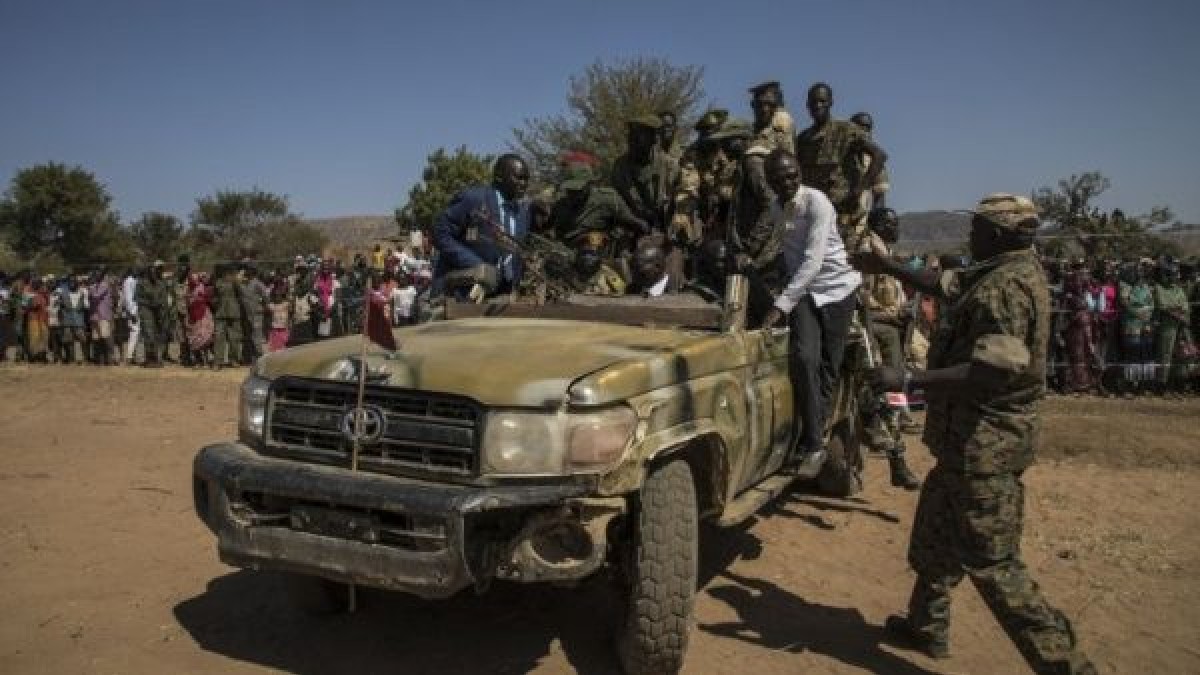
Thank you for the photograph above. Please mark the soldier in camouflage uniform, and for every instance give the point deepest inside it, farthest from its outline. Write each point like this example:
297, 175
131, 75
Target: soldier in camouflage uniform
773, 125
733, 141
886, 304
668, 148
151, 298
697, 178
228, 312
831, 154
876, 197
584, 207
641, 176
987, 365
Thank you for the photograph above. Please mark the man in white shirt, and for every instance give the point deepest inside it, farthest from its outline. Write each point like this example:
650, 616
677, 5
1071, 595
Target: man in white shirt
128, 289
818, 301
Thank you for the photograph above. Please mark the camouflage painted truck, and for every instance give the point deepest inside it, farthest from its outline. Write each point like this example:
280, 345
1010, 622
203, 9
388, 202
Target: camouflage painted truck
528, 444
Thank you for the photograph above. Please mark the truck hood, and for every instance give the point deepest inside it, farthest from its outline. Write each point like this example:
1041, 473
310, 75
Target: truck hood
523, 362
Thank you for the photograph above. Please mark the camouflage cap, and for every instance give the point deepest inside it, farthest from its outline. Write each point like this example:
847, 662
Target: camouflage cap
711, 120
652, 122
1008, 211
734, 128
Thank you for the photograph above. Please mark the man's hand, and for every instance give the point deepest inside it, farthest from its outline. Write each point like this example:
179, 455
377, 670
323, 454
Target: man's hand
773, 319
887, 379
870, 262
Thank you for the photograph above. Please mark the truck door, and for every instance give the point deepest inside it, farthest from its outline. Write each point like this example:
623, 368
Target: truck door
769, 399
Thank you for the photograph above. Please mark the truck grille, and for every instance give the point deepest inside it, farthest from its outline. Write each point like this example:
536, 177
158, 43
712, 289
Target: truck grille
423, 431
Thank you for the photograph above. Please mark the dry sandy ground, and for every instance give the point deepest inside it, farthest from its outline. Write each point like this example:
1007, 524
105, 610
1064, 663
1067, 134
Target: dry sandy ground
104, 568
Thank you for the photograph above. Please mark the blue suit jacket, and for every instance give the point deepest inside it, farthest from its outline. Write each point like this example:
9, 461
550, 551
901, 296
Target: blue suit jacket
463, 234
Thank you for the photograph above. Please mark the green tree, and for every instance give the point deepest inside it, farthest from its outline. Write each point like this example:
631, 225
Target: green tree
1095, 233
445, 175
231, 223
55, 209
281, 240
600, 101
158, 235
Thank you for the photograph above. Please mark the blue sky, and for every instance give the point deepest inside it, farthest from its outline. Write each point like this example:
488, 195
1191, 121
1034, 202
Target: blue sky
336, 104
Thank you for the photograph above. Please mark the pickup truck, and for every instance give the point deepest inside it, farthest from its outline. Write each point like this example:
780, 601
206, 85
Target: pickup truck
520, 443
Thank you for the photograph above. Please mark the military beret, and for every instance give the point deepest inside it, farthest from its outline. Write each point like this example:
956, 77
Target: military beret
712, 119
577, 177
1008, 211
645, 122
765, 87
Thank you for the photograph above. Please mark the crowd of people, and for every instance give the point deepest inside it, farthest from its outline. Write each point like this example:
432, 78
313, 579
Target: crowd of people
1124, 327
174, 314
1119, 328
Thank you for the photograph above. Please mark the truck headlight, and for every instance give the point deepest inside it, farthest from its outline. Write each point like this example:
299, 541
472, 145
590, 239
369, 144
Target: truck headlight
252, 405
549, 444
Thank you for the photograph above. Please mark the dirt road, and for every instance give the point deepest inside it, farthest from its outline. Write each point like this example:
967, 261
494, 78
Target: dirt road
105, 569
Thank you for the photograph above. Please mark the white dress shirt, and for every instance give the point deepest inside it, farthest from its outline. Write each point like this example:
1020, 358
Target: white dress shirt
812, 251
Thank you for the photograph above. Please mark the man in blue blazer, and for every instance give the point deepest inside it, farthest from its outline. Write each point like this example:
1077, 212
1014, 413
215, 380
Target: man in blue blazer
484, 224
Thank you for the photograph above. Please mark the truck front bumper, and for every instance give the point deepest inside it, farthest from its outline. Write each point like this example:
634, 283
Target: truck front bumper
428, 539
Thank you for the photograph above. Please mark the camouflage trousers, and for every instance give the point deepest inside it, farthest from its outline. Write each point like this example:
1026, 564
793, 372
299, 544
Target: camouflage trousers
972, 525
882, 425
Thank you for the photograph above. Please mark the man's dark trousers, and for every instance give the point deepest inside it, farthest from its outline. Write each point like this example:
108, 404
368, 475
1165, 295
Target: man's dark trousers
817, 343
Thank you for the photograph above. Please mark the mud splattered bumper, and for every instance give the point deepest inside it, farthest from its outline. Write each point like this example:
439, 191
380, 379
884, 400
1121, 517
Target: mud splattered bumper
423, 538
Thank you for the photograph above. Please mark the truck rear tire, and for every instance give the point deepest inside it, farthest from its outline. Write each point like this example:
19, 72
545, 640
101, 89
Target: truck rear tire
841, 474
663, 571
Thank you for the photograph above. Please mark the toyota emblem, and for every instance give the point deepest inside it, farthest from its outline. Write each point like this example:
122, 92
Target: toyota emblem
365, 424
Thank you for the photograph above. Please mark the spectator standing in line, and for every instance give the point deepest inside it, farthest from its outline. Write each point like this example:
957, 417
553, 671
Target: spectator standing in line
56, 288
1137, 328
100, 299
257, 297
129, 305
1080, 346
36, 303
228, 314
404, 297
1173, 345
280, 311
74, 321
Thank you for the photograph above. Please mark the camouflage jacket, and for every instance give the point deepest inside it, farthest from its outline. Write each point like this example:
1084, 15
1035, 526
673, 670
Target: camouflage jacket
645, 188
884, 294
996, 313
150, 298
830, 158
602, 210
757, 236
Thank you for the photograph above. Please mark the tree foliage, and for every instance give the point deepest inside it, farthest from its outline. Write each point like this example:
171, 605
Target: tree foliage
1095, 233
158, 235
600, 101
445, 175
53, 209
233, 224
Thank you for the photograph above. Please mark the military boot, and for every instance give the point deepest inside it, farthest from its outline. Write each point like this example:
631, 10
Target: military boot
936, 646
901, 475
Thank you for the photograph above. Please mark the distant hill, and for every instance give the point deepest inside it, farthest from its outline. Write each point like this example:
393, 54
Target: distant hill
356, 233
940, 231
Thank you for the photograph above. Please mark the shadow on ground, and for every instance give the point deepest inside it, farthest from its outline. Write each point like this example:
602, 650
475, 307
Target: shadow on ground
248, 616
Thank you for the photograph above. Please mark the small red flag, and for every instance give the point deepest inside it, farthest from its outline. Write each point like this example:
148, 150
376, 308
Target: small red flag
378, 327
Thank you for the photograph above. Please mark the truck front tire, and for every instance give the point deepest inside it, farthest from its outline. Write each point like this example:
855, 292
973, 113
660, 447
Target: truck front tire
663, 571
